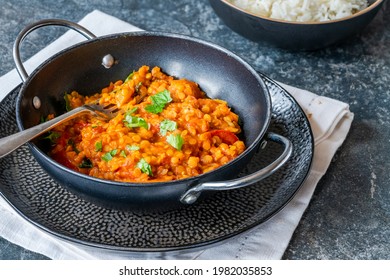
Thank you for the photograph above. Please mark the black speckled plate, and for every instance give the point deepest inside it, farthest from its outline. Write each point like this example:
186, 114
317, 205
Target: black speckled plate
52, 208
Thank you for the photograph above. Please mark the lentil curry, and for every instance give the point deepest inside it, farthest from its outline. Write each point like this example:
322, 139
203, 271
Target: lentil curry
167, 129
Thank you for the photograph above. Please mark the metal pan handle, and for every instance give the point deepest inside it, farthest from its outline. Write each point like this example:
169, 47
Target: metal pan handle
192, 194
46, 22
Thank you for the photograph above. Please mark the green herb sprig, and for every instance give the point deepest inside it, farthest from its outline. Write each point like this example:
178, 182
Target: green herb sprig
52, 136
98, 146
110, 155
132, 148
159, 101
68, 107
86, 163
175, 140
145, 167
134, 121
167, 125
129, 77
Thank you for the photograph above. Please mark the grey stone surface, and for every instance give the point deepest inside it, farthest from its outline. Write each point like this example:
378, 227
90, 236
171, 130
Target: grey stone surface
349, 215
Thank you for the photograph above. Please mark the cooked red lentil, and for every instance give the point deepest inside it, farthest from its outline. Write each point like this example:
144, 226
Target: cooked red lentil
167, 130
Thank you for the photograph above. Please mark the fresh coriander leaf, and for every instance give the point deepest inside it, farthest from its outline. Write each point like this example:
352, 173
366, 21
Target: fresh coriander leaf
67, 102
137, 87
167, 125
145, 167
98, 146
132, 147
109, 156
53, 136
159, 100
86, 163
134, 121
129, 77
154, 108
131, 111
73, 144
162, 97
123, 153
175, 140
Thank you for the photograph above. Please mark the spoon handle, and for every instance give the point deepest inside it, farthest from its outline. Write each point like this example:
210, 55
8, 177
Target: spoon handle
10, 143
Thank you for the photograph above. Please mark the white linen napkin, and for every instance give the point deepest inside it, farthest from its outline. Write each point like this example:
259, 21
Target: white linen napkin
330, 121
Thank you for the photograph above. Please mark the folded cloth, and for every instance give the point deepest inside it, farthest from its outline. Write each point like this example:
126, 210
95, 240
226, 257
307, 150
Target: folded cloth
330, 121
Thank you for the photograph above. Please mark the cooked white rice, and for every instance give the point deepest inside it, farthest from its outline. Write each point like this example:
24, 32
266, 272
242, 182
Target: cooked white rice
302, 10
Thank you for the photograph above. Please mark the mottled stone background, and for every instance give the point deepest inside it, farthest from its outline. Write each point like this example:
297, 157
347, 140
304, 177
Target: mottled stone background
349, 215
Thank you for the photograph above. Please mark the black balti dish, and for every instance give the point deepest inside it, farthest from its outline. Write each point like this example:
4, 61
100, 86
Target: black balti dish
219, 73
49, 206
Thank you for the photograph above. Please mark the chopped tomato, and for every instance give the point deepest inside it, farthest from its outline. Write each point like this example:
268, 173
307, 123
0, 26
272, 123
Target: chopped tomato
61, 158
79, 125
226, 136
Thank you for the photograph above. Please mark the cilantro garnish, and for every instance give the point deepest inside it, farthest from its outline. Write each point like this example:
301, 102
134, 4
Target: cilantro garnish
134, 121
129, 77
132, 110
86, 163
109, 156
138, 86
159, 100
145, 167
175, 140
67, 102
73, 145
167, 125
98, 146
52, 136
132, 147
42, 119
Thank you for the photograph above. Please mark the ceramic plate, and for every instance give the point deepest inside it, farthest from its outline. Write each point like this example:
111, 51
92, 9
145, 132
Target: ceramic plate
228, 213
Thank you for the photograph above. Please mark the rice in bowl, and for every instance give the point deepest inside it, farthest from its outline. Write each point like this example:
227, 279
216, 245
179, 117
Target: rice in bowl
302, 10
